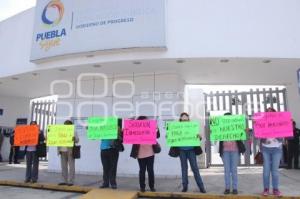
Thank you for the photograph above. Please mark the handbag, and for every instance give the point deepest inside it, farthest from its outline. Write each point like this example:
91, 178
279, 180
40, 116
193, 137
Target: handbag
174, 152
117, 144
241, 147
156, 148
259, 158
76, 151
198, 150
41, 150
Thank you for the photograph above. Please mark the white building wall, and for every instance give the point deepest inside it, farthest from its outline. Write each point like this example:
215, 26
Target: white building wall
195, 28
168, 92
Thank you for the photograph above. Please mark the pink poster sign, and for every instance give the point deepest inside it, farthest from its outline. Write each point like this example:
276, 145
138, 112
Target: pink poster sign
273, 125
139, 132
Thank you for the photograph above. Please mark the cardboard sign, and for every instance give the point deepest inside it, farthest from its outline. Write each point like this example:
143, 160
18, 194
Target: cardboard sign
227, 128
60, 135
273, 125
183, 134
26, 135
102, 128
140, 132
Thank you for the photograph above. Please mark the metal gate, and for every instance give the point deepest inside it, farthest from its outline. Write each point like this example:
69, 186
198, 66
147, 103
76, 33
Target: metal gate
246, 103
44, 113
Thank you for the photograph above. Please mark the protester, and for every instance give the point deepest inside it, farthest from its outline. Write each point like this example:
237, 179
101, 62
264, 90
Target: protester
32, 159
189, 154
109, 157
68, 160
230, 154
145, 156
272, 152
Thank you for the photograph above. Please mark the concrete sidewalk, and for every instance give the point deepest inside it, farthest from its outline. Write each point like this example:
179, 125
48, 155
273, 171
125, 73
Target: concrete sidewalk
250, 180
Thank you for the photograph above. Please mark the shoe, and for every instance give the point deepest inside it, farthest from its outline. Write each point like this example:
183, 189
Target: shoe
34, 181
16, 162
26, 181
10, 163
277, 193
114, 186
227, 191
62, 183
184, 189
152, 189
142, 190
104, 186
70, 184
265, 192
202, 190
235, 192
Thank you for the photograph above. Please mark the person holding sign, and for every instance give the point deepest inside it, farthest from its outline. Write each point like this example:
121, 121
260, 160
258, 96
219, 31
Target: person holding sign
188, 153
272, 152
230, 154
68, 160
32, 159
144, 153
109, 157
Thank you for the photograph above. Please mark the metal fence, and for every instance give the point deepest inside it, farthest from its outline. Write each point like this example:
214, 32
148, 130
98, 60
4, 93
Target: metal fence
246, 103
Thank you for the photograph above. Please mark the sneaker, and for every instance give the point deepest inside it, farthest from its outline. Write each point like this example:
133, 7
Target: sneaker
265, 192
277, 193
34, 181
184, 189
235, 192
152, 189
227, 191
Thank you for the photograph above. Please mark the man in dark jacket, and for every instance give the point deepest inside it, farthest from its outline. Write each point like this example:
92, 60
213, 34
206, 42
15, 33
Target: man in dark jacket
14, 150
293, 148
1, 141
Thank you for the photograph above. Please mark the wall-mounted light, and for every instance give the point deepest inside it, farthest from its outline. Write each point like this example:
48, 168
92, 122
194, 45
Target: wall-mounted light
137, 62
97, 66
266, 61
224, 60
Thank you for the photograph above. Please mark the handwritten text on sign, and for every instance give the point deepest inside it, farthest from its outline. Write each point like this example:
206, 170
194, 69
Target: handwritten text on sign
273, 125
227, 128
183, 134
102, 128
140, 132
60, 135
26, 135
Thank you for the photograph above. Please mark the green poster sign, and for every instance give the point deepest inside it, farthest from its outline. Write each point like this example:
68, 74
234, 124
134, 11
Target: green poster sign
227, 128
183, 134
60, 135
102, 128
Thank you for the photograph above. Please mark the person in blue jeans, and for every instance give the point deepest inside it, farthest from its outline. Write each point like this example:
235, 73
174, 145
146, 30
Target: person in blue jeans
272, 152
230, 154
188, 154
